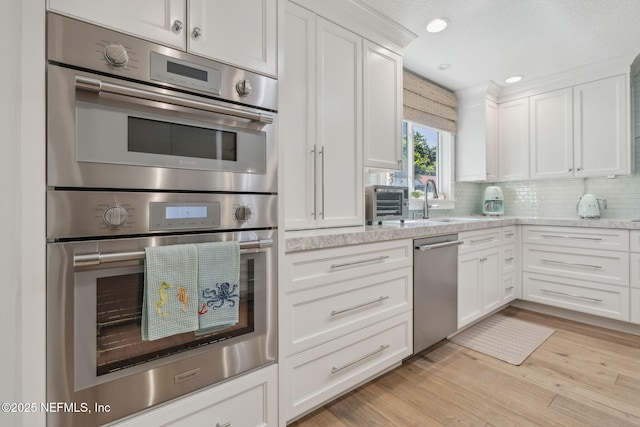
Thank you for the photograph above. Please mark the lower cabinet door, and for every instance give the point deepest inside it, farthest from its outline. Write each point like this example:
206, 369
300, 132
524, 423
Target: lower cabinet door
635, 305
248, 401
316, 376
601, 300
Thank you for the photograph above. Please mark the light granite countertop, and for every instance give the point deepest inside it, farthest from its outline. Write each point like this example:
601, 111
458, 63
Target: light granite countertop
327, 238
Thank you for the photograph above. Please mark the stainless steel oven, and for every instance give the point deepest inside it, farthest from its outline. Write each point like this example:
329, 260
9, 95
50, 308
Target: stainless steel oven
150, 147
95, 279
129, 114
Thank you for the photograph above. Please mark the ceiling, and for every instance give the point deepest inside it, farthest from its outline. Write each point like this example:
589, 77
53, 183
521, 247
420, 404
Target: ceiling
490, 40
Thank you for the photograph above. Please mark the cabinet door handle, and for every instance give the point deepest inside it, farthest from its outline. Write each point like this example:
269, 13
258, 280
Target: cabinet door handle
425, 248
571, 295
482, 240
364, 261
314, 151
322, 172
552, 236
196, 33
360, 359
177, 26
344, 310
573, 264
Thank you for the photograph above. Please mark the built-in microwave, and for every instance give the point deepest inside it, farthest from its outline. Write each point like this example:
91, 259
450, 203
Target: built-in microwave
128, 114
386, 203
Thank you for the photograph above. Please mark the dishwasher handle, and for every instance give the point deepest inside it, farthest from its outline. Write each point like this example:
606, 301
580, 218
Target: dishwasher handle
425, 248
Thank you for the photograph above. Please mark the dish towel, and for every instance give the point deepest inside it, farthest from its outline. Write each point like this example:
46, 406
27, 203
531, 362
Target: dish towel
169, 305
218, 284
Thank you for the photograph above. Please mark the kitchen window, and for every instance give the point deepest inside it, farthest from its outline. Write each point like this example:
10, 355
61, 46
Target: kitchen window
427, 154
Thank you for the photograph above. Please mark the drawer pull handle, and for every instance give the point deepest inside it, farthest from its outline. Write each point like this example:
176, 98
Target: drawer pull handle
360, 359
223, 425
509, 259
571, 295
364, 261
551, 236
509, 288
573, 264
482, 240
508, 234
336, 312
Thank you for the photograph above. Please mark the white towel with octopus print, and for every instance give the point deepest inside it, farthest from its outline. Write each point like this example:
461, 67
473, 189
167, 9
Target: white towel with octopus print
218, 284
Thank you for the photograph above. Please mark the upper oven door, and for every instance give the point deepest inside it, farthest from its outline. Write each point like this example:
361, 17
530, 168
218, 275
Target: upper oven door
109, 133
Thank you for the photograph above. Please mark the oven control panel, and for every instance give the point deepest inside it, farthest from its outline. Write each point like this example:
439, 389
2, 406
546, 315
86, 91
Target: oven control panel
168, 216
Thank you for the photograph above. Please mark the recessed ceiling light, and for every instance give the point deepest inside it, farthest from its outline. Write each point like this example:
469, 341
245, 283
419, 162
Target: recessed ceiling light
437, 24
513, 79
444, 66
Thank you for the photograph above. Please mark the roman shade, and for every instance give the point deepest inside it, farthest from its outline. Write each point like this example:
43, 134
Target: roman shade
429, 104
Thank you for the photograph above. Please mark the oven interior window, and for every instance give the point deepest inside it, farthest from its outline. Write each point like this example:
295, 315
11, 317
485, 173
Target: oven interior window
119, 314
157, 137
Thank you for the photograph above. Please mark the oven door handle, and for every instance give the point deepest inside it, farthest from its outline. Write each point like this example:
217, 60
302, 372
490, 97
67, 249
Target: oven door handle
97, 258
98, 86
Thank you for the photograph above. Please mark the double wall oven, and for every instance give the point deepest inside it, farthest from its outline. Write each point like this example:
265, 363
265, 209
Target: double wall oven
148, 146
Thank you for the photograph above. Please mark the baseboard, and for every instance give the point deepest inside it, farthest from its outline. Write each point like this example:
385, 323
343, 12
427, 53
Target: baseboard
603, 322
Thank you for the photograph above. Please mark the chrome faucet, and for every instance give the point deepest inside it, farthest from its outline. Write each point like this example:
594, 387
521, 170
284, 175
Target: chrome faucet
426, 199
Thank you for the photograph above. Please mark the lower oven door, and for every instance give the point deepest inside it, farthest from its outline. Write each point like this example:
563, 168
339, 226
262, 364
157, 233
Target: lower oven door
96, 357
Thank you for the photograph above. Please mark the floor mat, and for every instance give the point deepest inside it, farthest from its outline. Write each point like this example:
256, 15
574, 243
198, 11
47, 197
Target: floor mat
504, 338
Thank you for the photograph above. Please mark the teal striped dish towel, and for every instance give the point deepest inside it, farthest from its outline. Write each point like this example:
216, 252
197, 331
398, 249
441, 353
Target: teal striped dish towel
169, 306
218, 284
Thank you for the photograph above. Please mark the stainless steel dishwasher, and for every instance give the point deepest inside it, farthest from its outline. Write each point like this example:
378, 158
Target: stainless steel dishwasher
435, 289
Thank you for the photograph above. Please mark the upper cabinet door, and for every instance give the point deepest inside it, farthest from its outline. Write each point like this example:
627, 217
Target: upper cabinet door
297, 118
238, 32
551, 134
339, 121
513, 140
602, 143
382, 80
165, 23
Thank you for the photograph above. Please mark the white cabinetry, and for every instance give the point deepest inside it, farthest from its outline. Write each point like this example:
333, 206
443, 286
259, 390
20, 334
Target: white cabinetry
513, 140
601, 127
582, 269
510, 264
382, 107
477, 138
581, 131
321, 111
346, 315
321, 122
223, 405
479, 278
551, 134
241, 32
634, 273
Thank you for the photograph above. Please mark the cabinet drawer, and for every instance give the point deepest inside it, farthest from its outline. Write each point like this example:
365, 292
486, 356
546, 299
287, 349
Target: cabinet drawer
318, 375
635, 306
603, 300
509, 258
634, 270
509, 234
581, 264
577, 237
309, 269
510, 288
634, 240
225, 404
479, 239
319, 315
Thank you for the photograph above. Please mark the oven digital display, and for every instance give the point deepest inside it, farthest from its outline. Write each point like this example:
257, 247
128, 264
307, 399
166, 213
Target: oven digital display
183, 212
187, 71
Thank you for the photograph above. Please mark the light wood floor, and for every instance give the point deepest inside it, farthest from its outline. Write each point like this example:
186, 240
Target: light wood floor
581, 376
